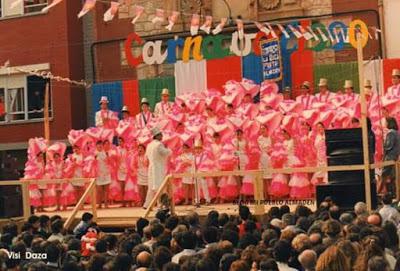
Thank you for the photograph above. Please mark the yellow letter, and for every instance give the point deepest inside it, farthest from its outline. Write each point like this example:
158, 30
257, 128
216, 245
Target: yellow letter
352, 33
196, 43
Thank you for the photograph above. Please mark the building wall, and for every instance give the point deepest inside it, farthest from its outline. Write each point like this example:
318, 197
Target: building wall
53, 38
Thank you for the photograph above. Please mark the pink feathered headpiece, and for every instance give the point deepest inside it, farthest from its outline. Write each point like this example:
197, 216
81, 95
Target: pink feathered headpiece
250, 87
58, 148
36, 145
234, 93
271, 119
268, 88
78, 138
98, 133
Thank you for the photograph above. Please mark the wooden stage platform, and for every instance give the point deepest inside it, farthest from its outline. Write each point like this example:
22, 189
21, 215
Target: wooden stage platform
116, 217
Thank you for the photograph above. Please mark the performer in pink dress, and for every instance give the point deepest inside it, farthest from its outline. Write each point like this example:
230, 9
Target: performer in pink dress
77, 160
264, 143
122, 166
142, 165
202, 163
35, 170
240, 144
164, 107
324, 95
320, 145
145, 117
350, 96
103, 179
279, 185
186, 164
394, 90
105, 117
306, 99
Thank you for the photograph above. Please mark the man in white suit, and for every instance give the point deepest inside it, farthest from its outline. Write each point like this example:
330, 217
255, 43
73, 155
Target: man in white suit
165, 106
104, 117
324, 95
306, 99
157, 154
145, 116
394, 90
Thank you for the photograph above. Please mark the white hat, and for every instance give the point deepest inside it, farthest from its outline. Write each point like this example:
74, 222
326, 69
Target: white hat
165, 91
198, 144
348, 84
103, 99
155, 131
125, 108
396, 72
323, 82
144, 101
306, 84
367, 83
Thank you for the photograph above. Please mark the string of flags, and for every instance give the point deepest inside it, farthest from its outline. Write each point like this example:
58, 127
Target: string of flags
195, 23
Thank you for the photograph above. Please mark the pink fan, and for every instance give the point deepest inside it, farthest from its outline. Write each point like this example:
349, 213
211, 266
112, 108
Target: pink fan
124, 129
268, 88
77, 138
272, 100
172, 140
290, 106
237, 122
36, 145
272, 120
250, 87
289, 123
326, 118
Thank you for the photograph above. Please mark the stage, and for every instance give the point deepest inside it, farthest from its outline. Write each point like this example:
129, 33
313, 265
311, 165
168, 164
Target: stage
120, 217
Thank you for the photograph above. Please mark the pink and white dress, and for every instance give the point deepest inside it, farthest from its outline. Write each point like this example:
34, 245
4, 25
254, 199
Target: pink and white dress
299, 184
77, 160
240, 152
143, 119
131, 192
34, 171
320, 147
264, 143
279, 184
187, 164
122, 171
306, 101
103, 170
142, 170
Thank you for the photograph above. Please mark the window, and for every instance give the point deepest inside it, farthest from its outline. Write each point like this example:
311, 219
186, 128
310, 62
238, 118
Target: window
31, 6
17, 8
22, 98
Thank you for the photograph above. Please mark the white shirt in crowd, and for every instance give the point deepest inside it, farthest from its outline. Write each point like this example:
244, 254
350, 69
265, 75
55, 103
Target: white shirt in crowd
185, 252
285, 267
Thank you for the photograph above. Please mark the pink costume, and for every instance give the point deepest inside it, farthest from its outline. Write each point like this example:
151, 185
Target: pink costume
240, 152
112, 117
114, 167
122, 156
204, 163
227, 161
163, 108
248, 110
352, 98
321, 159
131, 192
34, 170
264, 143
143, 119
299, 184
186, 165
248, 180
306, 100
324, 98
279, 186
393, 91
103, 169
77, 161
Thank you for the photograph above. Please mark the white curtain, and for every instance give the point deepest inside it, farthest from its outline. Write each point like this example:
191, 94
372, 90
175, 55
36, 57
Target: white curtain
373, 70
392, 30
190, 77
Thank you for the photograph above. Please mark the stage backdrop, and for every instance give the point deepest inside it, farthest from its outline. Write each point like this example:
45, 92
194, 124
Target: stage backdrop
337, 74
152, 88
112, 90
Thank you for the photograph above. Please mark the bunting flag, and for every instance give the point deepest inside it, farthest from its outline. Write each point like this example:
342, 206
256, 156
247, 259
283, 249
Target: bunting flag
240, 28
172, 20
262, 28
206, 27
53, 4
295, 32
272, 31
220, 26
305, 33
88, 6
16, 3
283, 30
159, 16
138, 12
369, 35
323, 36
194, 24
110, 13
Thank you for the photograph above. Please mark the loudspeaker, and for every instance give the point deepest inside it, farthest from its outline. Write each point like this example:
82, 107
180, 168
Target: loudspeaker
346, 195
345, 147
11, 205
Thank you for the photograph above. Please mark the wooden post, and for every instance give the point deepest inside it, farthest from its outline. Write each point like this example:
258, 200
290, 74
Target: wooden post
157, 195
171, 195
367, 180
46, 114
94, 200
259, 194
26, 201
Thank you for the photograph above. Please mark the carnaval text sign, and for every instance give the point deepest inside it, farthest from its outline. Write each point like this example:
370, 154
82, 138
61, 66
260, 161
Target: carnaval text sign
336, 36
271, 59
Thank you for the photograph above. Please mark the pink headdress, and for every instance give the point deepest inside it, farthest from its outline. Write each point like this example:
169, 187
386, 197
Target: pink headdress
268, 88
234, 93
78, 138
36, 145
57, 148
271, 119
250, 87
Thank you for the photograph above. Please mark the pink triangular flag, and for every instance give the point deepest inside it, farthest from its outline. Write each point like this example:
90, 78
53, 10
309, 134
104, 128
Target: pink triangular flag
220, 26
54, 3
88, 6
172, 20
206, 27
110, 13
194, 24
262, 28
159, 16
295, 32
272, 31
138, 12
283, 30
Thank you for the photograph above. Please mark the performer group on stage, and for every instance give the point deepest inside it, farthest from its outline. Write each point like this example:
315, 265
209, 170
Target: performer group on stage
209, 131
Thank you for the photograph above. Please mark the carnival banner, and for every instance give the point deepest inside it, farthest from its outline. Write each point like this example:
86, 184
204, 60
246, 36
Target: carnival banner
271, 60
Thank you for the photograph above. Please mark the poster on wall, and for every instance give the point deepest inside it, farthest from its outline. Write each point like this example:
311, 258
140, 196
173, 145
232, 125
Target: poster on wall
271, 59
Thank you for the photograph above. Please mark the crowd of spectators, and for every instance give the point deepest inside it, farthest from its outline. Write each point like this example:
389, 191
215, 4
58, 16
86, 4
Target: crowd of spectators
329, 239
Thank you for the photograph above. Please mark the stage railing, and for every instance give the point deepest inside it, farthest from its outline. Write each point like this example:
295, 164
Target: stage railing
258, 183
24, 184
